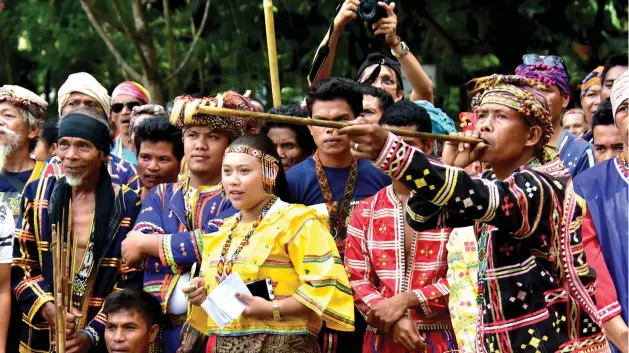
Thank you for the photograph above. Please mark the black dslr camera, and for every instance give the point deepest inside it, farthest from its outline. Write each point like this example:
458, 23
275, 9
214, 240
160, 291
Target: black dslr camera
369, 10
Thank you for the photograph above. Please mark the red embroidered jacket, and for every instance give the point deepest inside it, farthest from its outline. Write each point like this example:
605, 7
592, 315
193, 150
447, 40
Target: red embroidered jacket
375, 262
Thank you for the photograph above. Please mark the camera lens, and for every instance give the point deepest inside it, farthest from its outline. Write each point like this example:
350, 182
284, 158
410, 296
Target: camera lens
367, 9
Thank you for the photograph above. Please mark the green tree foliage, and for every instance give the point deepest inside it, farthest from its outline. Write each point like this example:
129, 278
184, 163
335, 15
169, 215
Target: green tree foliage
43, 41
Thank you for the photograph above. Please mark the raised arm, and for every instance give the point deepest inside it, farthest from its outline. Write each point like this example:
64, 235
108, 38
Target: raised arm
345, 15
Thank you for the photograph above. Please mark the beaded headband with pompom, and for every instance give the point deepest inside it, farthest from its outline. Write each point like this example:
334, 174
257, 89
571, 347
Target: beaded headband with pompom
519, 93
270, 165
185, 112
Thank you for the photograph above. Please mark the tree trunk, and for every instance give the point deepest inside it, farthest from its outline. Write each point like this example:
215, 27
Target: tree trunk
151, 72
171, 50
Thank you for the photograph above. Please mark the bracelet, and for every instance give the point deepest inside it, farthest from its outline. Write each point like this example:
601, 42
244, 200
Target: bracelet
276, 311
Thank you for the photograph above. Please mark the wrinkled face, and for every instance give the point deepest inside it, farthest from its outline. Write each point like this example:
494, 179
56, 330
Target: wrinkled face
371, 109
128, 332
387, 80
136, 122
13, 127
121, 108
575, 123
204, 149
78, 100
157, 163
557, 102
611, 76
80, 159
607, 142
327, 139
242, 180
504, 131
44, 152
591, 101
621, 121
289, 150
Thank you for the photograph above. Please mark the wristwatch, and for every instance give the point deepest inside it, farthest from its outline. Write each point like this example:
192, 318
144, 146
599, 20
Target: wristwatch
402, 53
276, 310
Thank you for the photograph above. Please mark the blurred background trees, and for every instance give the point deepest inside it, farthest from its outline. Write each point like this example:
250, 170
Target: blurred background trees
201, 47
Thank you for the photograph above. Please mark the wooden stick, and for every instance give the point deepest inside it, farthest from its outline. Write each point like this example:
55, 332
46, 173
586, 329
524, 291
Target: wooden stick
57, 267
272, 50
70, 259
325, 123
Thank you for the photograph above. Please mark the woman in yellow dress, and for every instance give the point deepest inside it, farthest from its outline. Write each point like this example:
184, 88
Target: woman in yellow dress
289, 244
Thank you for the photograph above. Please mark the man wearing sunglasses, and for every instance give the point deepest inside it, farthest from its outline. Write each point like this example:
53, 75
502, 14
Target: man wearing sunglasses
576, 154
125, 97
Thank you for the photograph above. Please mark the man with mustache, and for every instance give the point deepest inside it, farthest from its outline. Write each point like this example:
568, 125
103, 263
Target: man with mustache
124, 98
22, 114
333, 181
100, 212
160, 150
82, 90
535, 287
166, 239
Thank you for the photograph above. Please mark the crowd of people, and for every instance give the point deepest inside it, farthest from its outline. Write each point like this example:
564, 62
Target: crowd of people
367, 241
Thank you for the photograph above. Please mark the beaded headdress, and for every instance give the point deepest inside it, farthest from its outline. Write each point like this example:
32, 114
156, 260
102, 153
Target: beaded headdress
25, 99
548, 75
270, 165
185, 112
591, 80
521, 94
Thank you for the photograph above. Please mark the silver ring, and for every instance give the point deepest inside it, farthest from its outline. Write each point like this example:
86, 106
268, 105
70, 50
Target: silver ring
356, 147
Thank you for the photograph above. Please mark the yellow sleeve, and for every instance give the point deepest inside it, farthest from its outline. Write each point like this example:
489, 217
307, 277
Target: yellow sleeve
462, 272
324, 286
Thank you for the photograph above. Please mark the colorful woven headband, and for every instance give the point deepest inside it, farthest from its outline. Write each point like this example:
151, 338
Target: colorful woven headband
270, 165
591, 80
185, 112
25, 99
518, 93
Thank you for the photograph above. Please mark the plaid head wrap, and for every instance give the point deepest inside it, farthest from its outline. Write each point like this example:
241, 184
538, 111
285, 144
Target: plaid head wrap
591, 80
546, 74
24, 99
521, 94
133, 89
620, 92
185, 112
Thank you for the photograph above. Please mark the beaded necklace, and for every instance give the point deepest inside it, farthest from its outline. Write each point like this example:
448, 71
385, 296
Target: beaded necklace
624, 160
337, 217
225, 265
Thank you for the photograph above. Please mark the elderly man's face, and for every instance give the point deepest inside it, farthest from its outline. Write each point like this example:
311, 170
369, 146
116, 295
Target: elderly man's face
13, 127
621, 120
81, 160
78, 100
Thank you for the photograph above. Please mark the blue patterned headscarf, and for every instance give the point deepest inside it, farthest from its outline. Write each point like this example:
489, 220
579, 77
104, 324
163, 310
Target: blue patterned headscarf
441, 123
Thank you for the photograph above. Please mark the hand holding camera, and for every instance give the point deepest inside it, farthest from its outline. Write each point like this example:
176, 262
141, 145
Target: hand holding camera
379, 14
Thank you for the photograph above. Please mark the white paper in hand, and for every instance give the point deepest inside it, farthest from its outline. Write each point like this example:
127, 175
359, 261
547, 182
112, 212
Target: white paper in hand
222, 305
